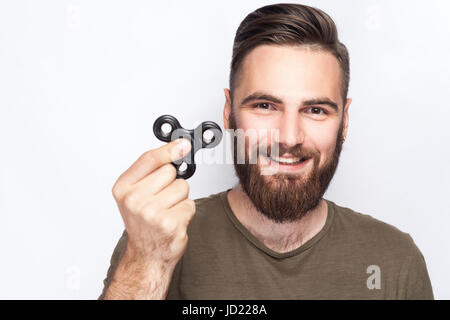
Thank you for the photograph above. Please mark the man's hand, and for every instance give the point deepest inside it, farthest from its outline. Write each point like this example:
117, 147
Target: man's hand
157, 211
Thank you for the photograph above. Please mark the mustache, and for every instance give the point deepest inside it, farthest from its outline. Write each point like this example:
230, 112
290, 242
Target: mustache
280, 149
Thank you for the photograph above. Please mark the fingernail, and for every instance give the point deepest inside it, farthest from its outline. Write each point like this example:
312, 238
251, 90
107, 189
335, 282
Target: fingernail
183, 147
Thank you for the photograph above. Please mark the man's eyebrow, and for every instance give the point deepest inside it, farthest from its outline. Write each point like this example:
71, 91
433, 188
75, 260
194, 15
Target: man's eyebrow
260, 96
323, 100
264, 96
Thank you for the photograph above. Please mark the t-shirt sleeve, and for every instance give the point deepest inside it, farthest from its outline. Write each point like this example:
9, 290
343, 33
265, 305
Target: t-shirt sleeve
114, 262
415, 278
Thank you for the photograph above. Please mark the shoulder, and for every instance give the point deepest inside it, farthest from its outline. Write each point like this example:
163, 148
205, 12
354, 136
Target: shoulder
207, 201
209, 205
364, 238
209, 212
371, 232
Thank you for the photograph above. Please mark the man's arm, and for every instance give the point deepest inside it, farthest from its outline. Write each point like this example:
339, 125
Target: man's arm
156, 211
416, 284
130, 277
119, 250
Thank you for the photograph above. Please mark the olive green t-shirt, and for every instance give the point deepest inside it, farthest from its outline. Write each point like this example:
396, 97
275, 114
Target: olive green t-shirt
354, 256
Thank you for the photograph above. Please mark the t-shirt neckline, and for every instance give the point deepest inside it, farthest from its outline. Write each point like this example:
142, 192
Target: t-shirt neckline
255, 241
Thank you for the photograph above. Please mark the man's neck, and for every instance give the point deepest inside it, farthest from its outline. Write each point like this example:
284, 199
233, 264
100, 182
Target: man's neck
280, 237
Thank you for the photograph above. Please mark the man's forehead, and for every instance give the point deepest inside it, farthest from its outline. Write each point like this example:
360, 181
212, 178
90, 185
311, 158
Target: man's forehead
293, 73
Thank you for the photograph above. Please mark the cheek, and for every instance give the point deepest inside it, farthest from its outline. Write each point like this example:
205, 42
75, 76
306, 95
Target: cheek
258, 131
324, 142
257, 123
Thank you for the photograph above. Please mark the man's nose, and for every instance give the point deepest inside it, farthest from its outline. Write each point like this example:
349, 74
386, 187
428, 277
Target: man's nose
291, 131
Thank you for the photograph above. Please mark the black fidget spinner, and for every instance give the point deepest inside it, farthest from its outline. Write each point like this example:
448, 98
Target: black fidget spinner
195, 136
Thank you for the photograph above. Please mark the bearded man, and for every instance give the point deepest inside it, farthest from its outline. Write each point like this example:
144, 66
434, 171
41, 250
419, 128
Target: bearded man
273, 235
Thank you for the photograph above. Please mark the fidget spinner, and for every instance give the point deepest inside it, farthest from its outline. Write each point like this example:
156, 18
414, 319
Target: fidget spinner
195, 136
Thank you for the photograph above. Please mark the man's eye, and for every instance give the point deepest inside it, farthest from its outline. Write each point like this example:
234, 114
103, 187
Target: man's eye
317, 110
263, 106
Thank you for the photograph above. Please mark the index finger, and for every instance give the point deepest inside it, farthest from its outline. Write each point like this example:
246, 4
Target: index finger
153, 159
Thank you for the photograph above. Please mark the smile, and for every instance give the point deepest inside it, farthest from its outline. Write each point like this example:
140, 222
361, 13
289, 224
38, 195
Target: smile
291, 164
288, 161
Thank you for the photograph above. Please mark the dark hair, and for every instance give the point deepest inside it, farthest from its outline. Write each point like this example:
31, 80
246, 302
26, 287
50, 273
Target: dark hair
289, 24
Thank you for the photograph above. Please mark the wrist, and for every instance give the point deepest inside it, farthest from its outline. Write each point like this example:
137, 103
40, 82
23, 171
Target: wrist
145, 265
137, 277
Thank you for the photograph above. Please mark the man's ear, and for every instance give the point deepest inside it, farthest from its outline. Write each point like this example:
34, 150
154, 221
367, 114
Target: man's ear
345, 115
226, 109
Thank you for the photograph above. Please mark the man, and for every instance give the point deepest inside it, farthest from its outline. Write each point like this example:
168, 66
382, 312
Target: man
273, 236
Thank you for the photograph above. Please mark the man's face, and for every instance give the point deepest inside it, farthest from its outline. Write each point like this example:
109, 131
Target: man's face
296, 92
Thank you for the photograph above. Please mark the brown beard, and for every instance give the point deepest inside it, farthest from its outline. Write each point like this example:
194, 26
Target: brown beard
286, 197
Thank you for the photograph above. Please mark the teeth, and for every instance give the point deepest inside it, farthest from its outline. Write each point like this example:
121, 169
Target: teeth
285, 160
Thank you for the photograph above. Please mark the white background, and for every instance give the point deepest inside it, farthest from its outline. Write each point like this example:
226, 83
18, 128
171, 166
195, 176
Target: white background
81, 83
